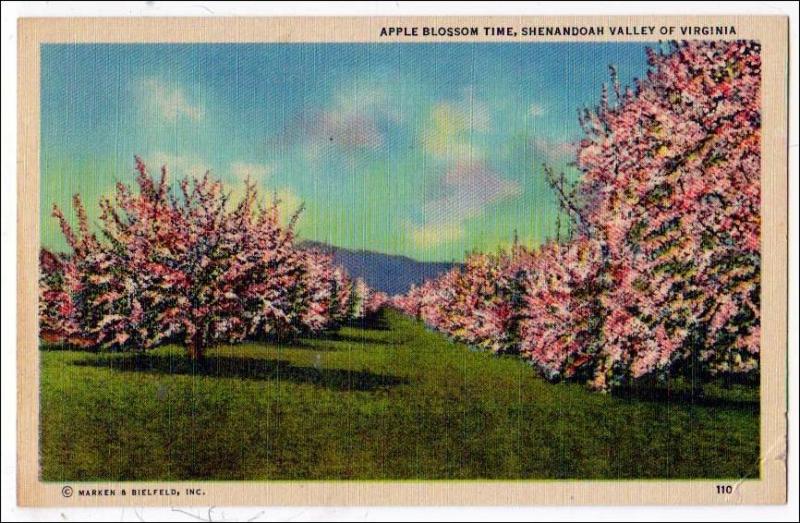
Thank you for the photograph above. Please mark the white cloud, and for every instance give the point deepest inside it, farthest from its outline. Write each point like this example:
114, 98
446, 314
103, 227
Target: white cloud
179, 165
465, 191
478, 111
457, 129
353, 119
347, 130
536, 109
257, 172
434, 234
363, 96
554, 150
168, 102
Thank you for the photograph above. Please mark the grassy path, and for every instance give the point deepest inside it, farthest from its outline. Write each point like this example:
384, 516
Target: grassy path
394, 402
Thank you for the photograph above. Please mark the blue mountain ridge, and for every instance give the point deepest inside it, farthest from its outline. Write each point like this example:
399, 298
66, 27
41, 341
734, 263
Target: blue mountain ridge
393, 274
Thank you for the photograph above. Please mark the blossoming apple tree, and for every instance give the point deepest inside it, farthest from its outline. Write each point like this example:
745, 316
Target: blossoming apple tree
662, 274
186, 266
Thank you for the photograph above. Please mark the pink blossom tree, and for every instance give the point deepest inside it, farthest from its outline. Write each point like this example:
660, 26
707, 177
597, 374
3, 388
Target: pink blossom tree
662, 276
187, 267
671, 191
560, 330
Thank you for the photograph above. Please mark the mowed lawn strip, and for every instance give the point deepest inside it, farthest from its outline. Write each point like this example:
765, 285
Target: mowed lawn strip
391, 400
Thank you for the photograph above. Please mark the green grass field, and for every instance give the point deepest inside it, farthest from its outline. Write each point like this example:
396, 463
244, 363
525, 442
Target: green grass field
392, 401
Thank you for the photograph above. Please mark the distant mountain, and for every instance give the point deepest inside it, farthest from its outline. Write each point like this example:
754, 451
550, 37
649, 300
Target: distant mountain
385, 272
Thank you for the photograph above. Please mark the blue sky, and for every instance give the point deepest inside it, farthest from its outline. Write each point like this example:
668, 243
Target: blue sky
425, 150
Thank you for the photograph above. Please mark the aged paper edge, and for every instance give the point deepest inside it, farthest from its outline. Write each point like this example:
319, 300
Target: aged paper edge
770, 488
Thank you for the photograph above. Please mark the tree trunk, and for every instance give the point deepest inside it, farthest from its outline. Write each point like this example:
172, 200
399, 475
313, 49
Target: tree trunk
195, 348
697, 392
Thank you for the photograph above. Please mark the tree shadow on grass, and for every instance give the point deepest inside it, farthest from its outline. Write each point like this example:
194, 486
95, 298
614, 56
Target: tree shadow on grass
248, 369
305, 345
375, 322
685, 396
65, 347
347, 338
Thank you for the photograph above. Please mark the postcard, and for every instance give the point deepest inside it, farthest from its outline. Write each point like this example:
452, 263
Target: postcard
402, 261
